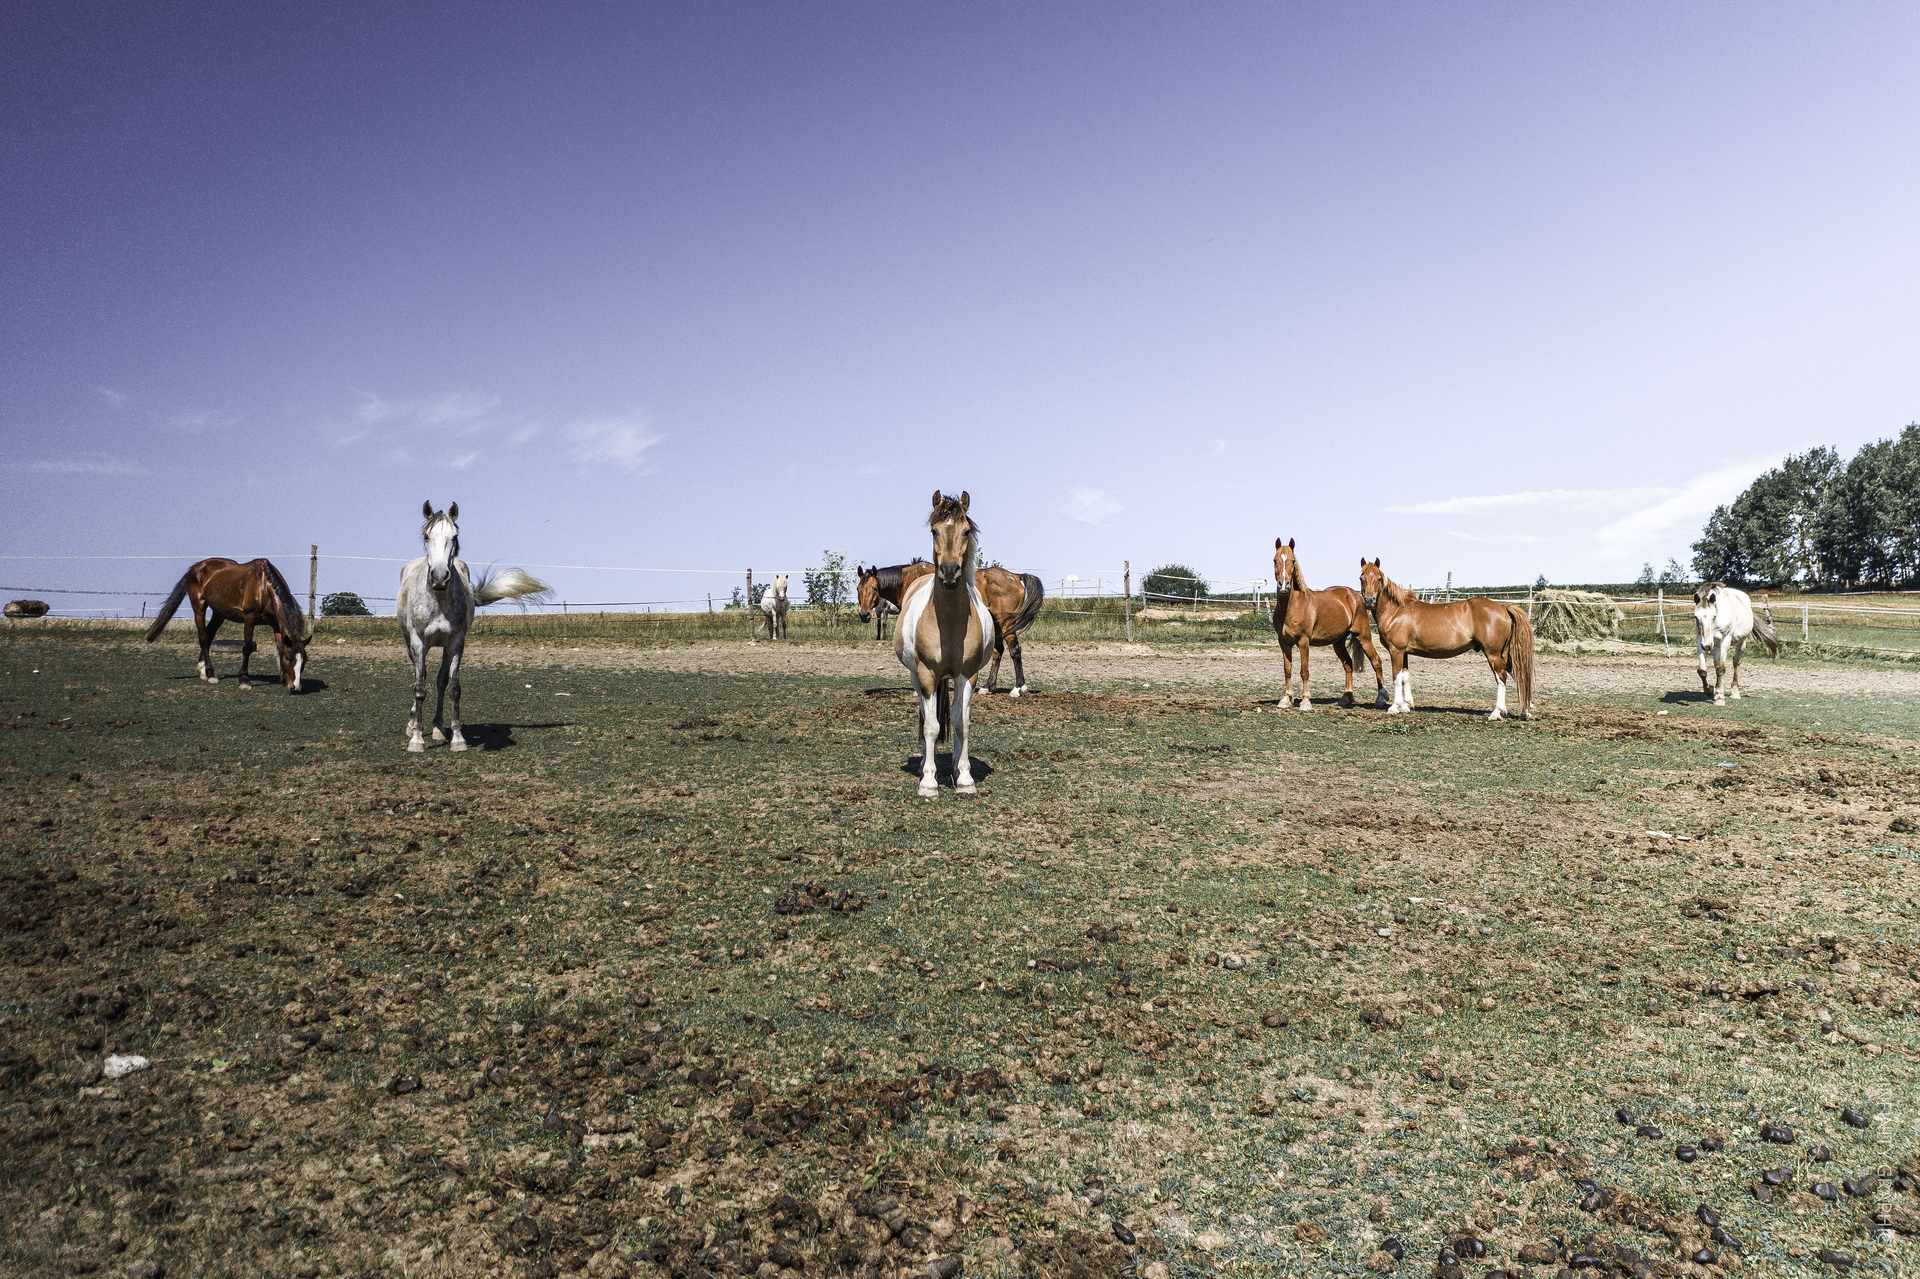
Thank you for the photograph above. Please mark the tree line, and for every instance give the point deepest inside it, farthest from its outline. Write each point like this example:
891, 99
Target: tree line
1816, 521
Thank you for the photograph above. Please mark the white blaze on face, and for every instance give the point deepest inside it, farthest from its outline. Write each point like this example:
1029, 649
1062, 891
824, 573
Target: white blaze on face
299, 662
440, 539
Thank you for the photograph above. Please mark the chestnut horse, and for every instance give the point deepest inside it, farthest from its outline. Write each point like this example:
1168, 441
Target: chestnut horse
1409, 626
1306, 617
945, 631
225, 590
1014, 600
879, 593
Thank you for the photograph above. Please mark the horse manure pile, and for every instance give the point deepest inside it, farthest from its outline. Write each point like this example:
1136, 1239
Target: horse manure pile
1563, 615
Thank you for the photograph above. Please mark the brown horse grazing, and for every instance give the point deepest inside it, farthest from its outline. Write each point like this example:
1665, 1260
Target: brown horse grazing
225, 591
1307, 617
945, 631
1013, 599
1408, 626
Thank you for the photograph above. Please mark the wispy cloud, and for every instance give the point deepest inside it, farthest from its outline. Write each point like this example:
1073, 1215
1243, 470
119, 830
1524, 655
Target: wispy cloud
1683, 507
1495, 539
114, 399
616, 442
90, 462
449, 410
199, 423
1091, 506
461, 461
523, 434
1599, 500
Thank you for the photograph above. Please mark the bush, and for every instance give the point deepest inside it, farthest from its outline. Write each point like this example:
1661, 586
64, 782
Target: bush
344, 604
1176, 581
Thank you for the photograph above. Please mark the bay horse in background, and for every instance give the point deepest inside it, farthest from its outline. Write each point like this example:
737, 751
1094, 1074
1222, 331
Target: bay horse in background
773, 604
1305, 617
435, 607
879, 593
224, 590
1014, 599
1722, 622
945, 632
1410, 626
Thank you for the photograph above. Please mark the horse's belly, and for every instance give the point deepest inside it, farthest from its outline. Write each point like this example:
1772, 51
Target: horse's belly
1468, 647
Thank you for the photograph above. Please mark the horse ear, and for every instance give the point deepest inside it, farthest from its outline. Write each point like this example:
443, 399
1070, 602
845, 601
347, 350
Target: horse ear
936, 497
453, 511
965, 498
1289, 544
1276, 543
426, 509
1376, 561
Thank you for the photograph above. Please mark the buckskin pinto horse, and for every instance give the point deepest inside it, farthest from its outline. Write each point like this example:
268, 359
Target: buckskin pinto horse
224, 590
1723, 621
1411, 626
435, 609
1305, 617
1013, 599
945, 632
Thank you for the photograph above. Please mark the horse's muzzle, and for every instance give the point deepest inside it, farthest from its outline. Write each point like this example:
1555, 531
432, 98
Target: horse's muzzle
438, 583
865, 618
949, 574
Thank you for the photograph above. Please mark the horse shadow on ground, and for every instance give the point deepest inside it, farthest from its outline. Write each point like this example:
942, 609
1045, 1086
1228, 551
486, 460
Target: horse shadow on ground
943, 768
308, 684
1359, 703
499, 737
1686, 696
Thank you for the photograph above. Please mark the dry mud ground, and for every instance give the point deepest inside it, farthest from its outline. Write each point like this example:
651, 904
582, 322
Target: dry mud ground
672, 974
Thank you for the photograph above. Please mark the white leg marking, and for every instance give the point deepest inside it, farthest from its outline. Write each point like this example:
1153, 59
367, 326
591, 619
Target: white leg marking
962, 766
929, 730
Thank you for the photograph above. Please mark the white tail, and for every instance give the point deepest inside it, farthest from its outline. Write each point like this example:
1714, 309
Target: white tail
509, 584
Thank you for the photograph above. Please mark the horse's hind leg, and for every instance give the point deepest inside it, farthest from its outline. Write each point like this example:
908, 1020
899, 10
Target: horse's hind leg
1738, 647
1719, 671
1019, 671
1343, 649
1498, 664
440, 695
205, 627
999, 649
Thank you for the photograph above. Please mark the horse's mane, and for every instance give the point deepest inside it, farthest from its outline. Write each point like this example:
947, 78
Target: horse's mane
1299, 578
291, 617
1393, 590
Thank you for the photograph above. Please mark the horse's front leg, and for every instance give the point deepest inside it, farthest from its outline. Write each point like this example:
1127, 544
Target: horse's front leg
1719, 671
928, 688
417, 651
962, 766
1706, 689
1286, 667
1306, 654
246, 652
450, 677
1402, 683
1738, 647
440, 695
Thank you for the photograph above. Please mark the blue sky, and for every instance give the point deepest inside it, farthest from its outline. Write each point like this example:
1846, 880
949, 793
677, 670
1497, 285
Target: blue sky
1487, 289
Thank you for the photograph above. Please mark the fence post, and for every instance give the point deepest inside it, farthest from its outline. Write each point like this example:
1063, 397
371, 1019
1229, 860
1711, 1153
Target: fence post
1127, 608
1660, 604
1803, 623
313, 576
752, 633
1529, 603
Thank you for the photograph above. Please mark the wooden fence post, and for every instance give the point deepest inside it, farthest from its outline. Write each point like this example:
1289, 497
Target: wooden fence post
313, 577
1660, 603
1127, 576
753, 635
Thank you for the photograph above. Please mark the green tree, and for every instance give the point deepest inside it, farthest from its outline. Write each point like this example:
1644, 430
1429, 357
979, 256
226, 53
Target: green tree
1540, 582
344, 604
1646, 577
827, 586
1673, 574
1174, 581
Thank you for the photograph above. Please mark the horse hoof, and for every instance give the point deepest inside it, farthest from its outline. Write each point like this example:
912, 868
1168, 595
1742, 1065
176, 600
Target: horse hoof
1017, 691
438, 735
928, 792
1495, 715
1285, 703
1719, 701
964, 788
1346, 699
1306, 704
416, 746
457, 744
246, 685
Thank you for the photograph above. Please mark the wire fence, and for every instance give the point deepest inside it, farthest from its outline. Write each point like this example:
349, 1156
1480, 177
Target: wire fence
1096, 603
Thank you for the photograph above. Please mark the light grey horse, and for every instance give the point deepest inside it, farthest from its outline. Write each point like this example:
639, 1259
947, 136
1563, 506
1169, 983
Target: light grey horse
773, 603
1722, 622
435, 609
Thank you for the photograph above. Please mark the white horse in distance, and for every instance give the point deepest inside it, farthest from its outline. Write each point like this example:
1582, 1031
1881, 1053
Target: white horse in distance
773, 603
435, 610
1722, 620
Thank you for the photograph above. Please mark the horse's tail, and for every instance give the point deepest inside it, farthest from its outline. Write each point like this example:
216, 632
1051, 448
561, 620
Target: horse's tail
1763, 627
1034, 594
169, 607
509, 584
1520, 658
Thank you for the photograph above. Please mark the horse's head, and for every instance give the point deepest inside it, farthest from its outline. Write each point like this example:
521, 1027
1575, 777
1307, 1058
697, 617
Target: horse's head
1372, 581
779, 586
1286, 568
1706, 601
440, 538
292, 646
954, 537
869, 592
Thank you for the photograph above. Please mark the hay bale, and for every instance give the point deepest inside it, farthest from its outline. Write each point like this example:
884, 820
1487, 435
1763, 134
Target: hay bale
1563, 615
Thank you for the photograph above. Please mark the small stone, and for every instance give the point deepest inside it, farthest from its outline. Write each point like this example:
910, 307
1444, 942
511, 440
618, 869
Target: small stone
146, 1268
1469, 1246
1838, 1260
1273, 1020
401, 1085
1725, 1240
1853, 1118
1685, 1154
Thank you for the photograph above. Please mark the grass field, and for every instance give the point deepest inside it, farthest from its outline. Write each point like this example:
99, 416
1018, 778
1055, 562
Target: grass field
674, 975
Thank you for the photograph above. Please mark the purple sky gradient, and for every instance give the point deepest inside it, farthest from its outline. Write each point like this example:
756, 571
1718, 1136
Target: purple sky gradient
1487, 289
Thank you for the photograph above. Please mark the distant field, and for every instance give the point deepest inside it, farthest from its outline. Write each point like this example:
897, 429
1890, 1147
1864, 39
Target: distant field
673, 974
